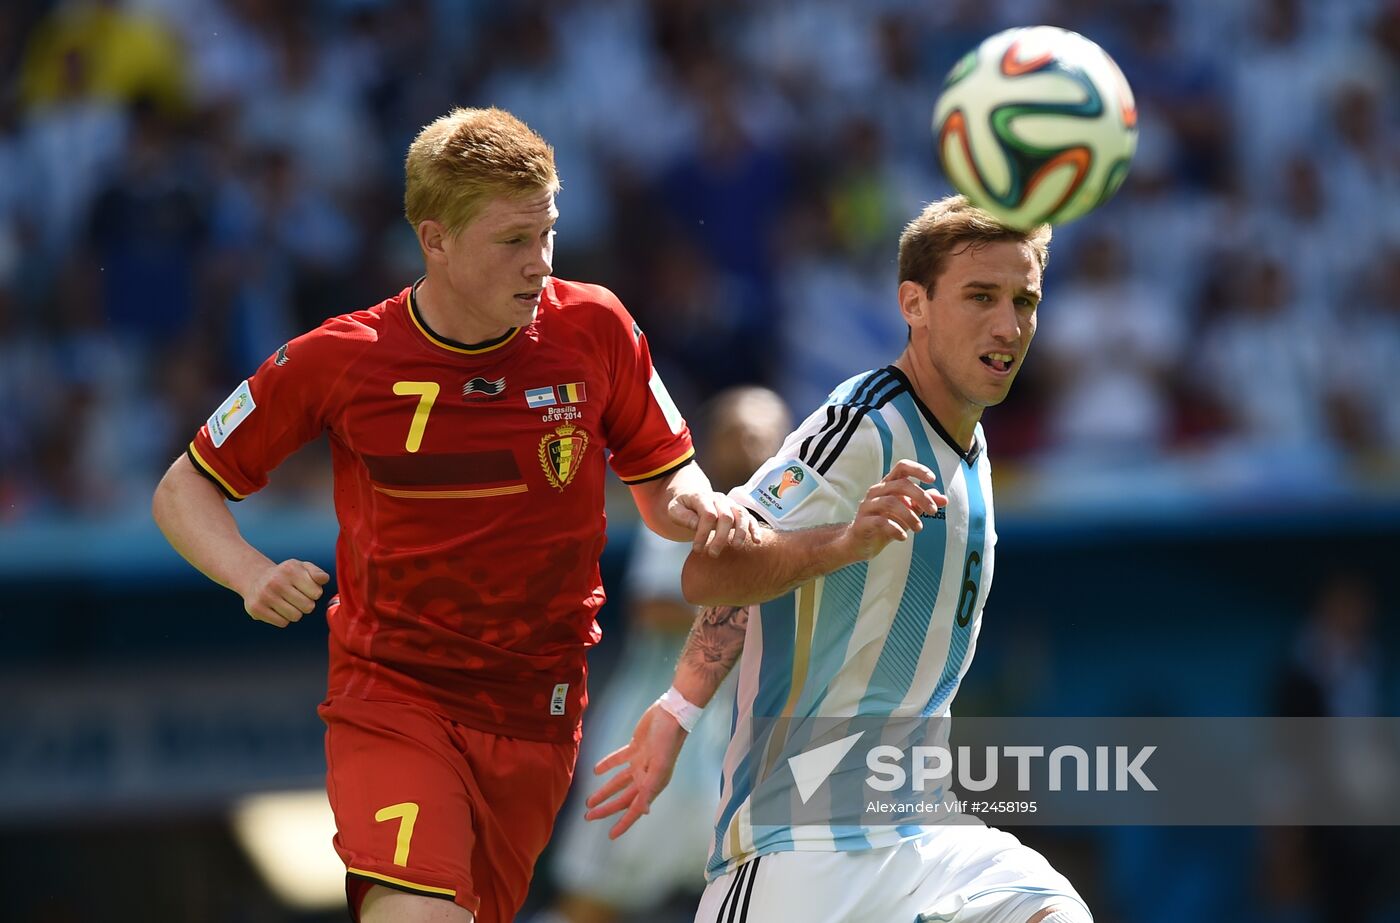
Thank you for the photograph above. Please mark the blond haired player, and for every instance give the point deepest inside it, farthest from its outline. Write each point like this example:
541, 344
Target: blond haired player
470, 416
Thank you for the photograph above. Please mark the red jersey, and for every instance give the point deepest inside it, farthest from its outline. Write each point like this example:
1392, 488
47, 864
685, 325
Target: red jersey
469, 490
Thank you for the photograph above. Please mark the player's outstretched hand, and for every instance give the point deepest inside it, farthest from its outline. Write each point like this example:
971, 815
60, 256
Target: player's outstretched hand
892, 509
283, 593
647, 763
718, 521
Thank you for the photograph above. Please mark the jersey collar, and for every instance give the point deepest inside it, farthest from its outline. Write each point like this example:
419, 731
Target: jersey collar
971, 455
468, 349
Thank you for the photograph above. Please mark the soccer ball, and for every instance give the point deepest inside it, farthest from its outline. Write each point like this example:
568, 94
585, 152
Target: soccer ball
1036, 125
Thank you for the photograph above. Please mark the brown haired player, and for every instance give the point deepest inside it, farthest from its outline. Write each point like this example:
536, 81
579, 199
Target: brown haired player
864, 602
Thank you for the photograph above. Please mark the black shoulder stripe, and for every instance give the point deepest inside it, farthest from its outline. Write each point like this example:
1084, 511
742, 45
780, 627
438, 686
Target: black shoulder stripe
835, 423
827, 434
823, 466
807, 443
884, 397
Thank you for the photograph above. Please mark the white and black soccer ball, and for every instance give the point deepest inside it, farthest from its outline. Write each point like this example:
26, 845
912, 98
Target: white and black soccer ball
1036, 125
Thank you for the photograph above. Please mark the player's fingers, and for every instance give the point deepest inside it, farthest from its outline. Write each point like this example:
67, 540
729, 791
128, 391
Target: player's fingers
753, 528
682, 515
743, 527
640, 806
620, 803
904, 487
264, 614
285, 609
704, 526
301, 582
896, 509
303, 603
724, 527
739, 535
895, 532
614, 785
908, 468
321, 577
613, 759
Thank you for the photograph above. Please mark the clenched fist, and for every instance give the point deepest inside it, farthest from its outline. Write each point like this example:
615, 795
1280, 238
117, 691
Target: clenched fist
283, 593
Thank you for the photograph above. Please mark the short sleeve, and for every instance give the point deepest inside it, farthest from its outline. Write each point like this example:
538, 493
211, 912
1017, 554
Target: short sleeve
820, 474
646, 433
267, 417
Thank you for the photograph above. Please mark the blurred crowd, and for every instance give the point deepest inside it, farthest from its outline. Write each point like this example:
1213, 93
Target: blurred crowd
186, 184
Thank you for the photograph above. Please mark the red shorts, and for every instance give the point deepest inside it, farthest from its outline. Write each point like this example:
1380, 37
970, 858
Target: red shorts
426, 805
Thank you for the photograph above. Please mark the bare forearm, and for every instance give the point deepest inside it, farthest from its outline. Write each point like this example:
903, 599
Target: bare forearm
716, 640
194, 518
654, 498
768, 568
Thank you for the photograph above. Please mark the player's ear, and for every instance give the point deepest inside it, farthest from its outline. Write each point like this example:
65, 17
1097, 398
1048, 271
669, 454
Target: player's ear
913, 303
432, 238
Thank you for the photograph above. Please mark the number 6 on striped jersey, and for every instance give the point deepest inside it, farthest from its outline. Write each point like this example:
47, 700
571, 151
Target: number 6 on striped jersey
407, 814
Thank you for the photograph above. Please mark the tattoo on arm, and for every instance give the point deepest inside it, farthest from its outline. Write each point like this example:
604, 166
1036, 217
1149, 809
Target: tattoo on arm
716, 641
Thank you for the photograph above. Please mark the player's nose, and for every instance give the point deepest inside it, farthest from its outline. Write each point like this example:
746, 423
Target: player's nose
1006, 323
540, 266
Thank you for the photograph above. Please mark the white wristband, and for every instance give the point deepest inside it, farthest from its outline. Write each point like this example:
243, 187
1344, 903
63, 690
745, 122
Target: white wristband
676, 705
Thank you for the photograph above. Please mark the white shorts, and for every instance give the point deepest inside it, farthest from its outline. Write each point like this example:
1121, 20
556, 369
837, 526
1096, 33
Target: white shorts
954, 874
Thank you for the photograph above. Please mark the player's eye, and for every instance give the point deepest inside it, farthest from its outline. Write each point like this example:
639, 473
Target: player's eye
981, 296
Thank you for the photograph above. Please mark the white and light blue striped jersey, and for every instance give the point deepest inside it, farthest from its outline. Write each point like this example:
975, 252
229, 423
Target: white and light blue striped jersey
888, 637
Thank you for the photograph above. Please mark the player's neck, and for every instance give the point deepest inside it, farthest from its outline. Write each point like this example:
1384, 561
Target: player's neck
450, 320
958, 418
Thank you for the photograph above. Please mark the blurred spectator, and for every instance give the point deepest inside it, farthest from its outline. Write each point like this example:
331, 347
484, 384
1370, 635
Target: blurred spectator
1109, 345
315, 119
147, 232
1363, 163
736, 171
1364, 352
125, 56
1335, 874
73, 143
1263, 363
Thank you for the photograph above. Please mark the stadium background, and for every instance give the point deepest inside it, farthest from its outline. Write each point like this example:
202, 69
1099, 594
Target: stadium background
1198, 476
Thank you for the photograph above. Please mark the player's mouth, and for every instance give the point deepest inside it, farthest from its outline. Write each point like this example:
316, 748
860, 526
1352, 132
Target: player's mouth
1000, 363
529, 298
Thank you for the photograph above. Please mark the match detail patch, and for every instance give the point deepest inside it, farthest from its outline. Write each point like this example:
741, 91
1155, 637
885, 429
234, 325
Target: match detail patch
233, 411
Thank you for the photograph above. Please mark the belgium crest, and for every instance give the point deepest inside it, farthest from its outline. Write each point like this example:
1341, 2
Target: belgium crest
561, 453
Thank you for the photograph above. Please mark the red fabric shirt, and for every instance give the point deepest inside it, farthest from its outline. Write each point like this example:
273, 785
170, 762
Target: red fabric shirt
469, 490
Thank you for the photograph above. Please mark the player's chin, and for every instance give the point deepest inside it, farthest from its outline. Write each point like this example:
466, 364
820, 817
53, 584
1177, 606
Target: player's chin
993, 393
